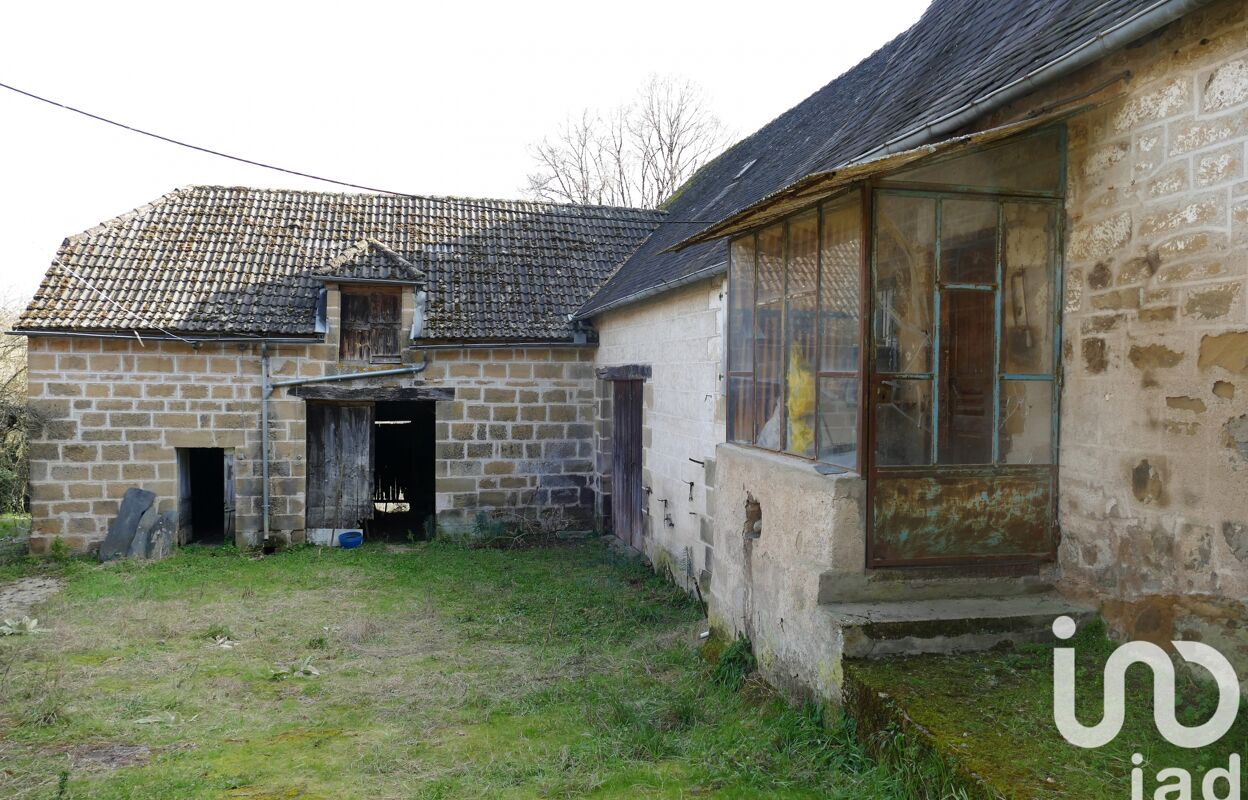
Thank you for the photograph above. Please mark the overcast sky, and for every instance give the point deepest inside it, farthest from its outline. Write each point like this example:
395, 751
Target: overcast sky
428, 98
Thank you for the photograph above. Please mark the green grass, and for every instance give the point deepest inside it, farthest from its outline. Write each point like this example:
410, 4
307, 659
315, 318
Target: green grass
14, 525
993, 712
443, 672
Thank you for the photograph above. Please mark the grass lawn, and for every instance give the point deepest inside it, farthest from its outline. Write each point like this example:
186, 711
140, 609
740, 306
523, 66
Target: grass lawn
13, 525
441, 672
994, 713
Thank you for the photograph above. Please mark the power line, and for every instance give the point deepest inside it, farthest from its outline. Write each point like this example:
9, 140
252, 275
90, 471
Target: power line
587, 214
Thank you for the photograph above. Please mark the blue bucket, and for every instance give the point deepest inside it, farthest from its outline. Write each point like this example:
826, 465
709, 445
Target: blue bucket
350, 539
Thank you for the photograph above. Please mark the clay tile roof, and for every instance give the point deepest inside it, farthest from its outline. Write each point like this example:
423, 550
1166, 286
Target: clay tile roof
216, 260
370, 260
958, 51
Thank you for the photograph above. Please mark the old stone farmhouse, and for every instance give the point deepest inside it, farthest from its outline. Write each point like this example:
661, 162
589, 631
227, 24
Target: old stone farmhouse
956, 345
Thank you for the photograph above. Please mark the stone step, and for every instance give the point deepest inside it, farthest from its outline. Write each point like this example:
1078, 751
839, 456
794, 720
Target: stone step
948, 625
890, 585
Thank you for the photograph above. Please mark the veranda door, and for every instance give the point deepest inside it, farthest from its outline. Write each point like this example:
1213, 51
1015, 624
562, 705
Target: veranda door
963, 399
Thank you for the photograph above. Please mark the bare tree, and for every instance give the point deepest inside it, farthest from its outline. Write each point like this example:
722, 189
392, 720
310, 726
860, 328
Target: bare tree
17, 418
635, 155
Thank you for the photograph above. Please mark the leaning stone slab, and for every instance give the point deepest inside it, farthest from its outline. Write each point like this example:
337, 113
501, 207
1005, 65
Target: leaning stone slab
161, 538
123, 527
139, 544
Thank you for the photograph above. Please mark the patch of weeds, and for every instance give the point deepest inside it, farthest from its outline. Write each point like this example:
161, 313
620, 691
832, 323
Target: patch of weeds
318, 642
300, 669
735, 663
58, 551
45, 700
20, 627
216, 631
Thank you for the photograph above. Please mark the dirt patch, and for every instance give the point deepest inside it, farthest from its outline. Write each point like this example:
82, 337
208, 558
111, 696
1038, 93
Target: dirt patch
110, 756
1224, 389
17, 598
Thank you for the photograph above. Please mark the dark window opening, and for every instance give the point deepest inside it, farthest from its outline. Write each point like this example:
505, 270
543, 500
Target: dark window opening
403, 481
370, 325
205, 495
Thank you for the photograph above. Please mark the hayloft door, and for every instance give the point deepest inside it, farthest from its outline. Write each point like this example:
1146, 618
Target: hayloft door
340, 464
626, 490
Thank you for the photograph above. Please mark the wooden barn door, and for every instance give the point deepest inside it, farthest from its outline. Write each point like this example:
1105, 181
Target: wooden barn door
626, 489
340, 464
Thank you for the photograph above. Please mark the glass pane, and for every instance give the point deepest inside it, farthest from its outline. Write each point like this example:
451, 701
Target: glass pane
803, 253
741, 306
968, 241
768, 373
966, 345
801, 376
838, 421
839, 288
771, 264
905, 253
1027, 296
741, 409
903, 423
1026, 422
1025, 163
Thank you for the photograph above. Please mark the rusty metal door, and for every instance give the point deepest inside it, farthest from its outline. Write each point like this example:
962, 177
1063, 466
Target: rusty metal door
626, 490
340, 464
963, 379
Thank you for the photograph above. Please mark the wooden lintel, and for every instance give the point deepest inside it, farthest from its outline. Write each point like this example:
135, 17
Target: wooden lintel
378, 394
626, 372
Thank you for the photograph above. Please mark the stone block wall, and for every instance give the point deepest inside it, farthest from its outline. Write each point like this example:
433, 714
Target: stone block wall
1154, 422
518, 436
679, 336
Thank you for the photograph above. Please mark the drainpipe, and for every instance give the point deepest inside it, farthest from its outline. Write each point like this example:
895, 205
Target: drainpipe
267, 388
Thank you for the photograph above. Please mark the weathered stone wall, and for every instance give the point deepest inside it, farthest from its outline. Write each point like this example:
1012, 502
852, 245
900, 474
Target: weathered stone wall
767, 581
1154, 454
517, 437
679, 336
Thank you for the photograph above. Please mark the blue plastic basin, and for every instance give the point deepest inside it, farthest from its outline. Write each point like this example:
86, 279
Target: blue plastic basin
350, 539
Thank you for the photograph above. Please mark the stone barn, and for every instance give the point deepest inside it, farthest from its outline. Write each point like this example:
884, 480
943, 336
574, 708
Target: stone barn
954, 346
283, 365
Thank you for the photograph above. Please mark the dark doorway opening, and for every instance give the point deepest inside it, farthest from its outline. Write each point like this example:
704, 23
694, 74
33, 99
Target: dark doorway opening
205, 495
403, 481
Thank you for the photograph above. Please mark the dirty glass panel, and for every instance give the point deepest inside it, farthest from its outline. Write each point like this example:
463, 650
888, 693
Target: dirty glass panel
770, 264
741, 306
800, 439
1027, 294
1025, 163
769, 339
840, 288
968, 241
904, 260
903, 423
800, 316
838, 421
741, 409
966, 377
1026, 422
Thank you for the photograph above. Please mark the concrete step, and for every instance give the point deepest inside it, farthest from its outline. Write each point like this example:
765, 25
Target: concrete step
948, 625
927, 584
